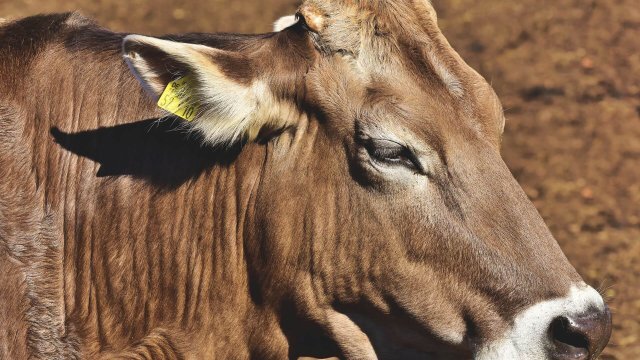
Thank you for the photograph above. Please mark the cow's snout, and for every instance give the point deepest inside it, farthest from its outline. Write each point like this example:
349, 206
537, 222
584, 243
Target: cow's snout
580, 337
574, 327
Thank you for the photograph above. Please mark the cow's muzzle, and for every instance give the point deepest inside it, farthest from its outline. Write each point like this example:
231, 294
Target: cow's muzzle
576, 327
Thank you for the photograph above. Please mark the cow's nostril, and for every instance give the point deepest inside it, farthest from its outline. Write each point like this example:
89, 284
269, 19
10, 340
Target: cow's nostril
567, 334
580, 337
568, 344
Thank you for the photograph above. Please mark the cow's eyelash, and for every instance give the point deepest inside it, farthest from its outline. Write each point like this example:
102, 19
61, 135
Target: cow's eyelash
392, 153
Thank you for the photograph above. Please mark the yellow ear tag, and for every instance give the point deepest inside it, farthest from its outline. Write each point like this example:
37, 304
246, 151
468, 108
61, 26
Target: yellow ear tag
179, 99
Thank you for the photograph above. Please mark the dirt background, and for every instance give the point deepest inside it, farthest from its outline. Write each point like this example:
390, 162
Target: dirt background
568, 73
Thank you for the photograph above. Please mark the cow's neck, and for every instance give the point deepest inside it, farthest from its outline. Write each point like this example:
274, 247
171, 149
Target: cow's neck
147, 265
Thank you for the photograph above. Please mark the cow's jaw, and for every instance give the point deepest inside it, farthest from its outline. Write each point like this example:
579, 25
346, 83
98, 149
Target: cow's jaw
529, 337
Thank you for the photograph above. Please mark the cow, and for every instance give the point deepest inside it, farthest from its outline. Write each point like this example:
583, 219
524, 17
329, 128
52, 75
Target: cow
336, 190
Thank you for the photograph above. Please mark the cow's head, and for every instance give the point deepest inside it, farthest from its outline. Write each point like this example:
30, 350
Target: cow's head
384, 212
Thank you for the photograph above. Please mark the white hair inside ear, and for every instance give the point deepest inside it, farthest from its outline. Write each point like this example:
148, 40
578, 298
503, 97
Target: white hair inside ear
284, 22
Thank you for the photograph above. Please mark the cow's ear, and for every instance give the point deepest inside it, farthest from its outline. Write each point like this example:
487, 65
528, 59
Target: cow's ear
230, 101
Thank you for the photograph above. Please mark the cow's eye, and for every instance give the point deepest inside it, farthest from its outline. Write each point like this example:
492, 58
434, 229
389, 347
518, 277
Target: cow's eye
392, 153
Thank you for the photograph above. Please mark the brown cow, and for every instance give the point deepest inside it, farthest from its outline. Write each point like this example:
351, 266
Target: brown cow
340, 192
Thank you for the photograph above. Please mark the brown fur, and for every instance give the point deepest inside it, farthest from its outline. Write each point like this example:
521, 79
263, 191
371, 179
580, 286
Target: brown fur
257, 251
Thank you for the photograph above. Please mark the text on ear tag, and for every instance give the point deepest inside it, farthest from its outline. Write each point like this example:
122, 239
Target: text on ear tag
179, 98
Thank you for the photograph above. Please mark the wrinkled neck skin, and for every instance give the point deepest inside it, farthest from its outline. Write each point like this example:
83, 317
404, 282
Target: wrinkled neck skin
245, 244
305, 226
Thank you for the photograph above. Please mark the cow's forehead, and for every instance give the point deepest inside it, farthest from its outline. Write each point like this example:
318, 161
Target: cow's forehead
398, 49
392, 38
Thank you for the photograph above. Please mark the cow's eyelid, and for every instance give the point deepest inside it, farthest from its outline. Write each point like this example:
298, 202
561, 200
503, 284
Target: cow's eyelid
393, 153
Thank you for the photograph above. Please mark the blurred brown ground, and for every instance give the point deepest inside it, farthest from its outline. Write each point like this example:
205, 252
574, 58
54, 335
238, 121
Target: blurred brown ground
568, 73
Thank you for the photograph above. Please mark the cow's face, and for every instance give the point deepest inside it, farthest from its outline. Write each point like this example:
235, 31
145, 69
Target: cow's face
384, 211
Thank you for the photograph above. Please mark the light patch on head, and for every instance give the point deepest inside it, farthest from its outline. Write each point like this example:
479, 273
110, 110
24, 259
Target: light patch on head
232, 112
451, 81
284, 22
527, 339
